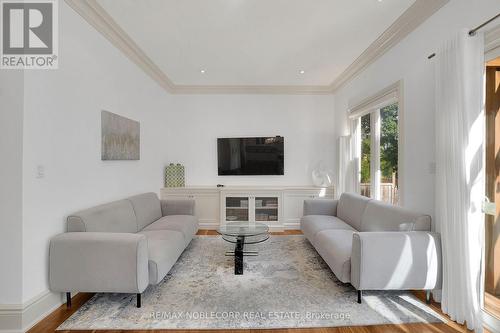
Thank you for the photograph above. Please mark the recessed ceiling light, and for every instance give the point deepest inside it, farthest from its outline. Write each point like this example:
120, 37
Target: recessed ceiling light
302, 71
202, 71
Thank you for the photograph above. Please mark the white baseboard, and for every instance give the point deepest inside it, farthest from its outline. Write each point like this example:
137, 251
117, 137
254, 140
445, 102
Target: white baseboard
292, 226
10, 320
19, 318
208, 225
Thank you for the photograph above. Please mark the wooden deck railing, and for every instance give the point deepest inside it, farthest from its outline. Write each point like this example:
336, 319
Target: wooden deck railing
388, 192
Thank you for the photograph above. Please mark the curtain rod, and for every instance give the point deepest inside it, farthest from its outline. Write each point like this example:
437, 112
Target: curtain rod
473, 31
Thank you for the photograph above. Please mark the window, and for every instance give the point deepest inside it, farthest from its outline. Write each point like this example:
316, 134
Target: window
389, 138
365, 170
378, 131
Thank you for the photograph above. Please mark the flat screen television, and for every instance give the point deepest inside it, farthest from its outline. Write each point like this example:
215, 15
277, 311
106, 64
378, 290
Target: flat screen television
250, 156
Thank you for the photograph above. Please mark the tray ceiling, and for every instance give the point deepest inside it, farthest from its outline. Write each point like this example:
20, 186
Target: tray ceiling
256, 45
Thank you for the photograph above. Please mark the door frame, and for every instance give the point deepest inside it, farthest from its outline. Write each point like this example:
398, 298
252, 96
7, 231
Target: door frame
492, 51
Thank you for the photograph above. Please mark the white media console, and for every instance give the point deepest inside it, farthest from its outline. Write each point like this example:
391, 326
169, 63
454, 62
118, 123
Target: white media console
278, 207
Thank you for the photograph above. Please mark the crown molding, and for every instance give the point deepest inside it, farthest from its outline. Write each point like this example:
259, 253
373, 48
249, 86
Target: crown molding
246, 89
97, 16
402, 27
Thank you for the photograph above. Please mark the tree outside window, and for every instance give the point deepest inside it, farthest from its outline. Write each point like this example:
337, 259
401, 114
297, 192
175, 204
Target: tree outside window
389, 134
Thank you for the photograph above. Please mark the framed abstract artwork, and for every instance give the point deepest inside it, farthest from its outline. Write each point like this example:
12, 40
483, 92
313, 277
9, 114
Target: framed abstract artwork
120, 137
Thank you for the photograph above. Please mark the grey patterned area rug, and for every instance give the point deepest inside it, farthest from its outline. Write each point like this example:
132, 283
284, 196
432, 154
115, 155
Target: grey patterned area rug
286, 285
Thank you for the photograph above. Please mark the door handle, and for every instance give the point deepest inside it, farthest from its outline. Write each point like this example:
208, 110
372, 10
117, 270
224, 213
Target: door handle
489, 208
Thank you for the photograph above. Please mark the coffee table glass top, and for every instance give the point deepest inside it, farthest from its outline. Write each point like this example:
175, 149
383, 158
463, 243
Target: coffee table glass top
246, 232
238, 229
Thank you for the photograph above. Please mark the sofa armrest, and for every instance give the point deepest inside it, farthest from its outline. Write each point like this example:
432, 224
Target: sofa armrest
396, 260
98, 262
177, 207
320, 207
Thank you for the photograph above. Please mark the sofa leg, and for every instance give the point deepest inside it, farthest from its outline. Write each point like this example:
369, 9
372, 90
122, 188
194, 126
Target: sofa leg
68, 300
428, 296
138, 300
360, 295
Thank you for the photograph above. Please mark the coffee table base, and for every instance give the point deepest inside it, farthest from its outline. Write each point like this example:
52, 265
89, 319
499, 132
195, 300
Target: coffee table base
241, 233
239, 253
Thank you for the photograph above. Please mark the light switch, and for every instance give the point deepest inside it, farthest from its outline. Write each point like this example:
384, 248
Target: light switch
432, 168
40, 171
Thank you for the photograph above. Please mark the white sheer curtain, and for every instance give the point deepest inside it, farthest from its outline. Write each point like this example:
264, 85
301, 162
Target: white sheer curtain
353, 169
460, 174
349, 156
343, 162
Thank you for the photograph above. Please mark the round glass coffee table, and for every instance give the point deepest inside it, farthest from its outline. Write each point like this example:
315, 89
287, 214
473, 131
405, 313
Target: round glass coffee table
241, 233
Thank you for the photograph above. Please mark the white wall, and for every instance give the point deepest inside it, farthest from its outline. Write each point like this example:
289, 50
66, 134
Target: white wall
62, 133
11, 129
195, 123
408, 61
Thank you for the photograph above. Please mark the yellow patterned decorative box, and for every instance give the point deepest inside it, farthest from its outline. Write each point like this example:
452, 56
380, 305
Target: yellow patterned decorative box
174, 175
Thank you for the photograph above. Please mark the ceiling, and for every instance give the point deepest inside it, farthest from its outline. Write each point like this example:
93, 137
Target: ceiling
254, 46
254, 42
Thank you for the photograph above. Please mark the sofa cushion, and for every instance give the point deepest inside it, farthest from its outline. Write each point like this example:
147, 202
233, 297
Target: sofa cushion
177, 207
335, 247
379, 216
164, 248
186, 224
117, 216
312, 224
147, 208
320, 207
351, 207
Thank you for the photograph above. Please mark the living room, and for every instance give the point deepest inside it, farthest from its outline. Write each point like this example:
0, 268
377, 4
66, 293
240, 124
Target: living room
195, 82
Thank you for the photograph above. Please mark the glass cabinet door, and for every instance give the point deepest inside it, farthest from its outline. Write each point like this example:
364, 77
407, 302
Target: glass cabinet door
237, 209
266, 209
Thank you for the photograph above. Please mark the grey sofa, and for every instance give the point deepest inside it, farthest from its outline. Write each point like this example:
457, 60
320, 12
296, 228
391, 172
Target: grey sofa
373, 245
122, 246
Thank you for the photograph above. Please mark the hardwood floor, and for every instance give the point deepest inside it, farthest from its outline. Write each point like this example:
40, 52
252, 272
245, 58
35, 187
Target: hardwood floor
492, 304
52, 321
